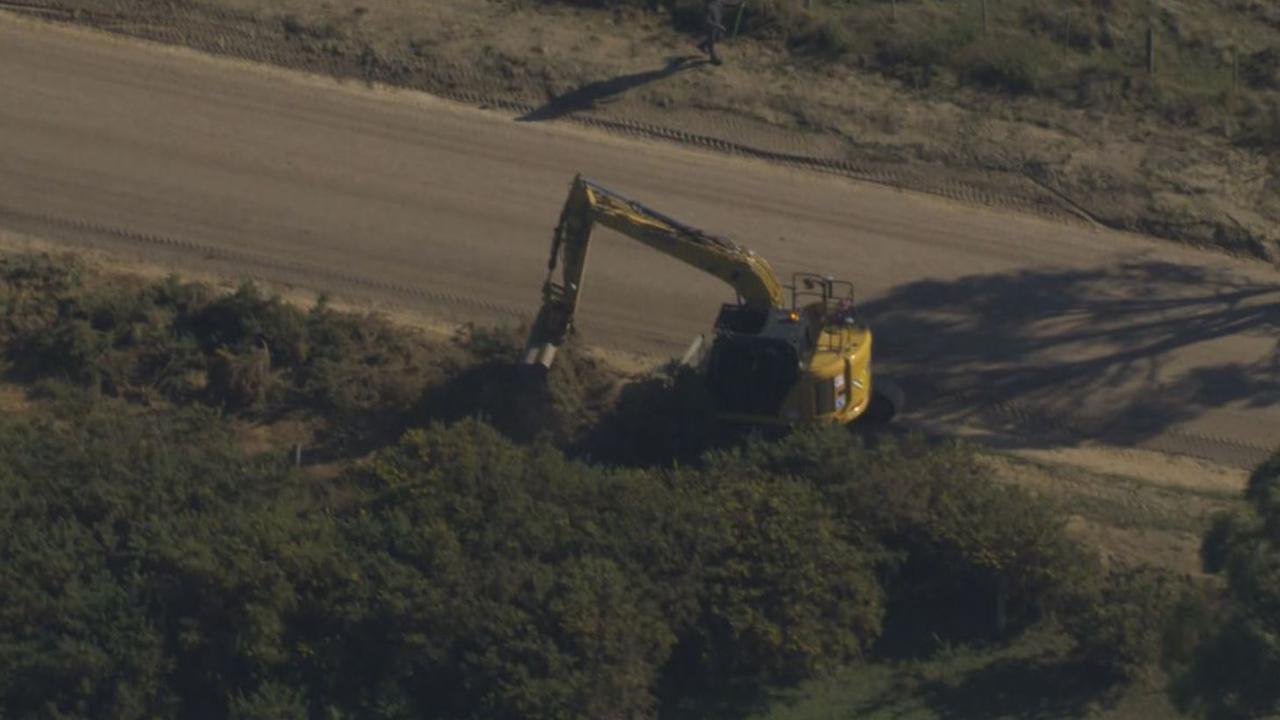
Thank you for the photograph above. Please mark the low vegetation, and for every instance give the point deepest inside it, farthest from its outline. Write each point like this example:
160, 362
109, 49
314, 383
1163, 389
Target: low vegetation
176, 343
471, 566
1084, 53
1234, 673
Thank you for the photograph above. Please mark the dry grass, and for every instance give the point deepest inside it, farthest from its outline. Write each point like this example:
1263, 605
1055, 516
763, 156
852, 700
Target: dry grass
1131, 521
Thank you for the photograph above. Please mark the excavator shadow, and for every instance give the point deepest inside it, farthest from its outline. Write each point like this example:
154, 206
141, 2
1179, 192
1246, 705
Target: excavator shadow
590, 95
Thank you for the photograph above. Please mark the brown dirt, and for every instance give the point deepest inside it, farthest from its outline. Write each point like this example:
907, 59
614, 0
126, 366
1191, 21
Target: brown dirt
554, 61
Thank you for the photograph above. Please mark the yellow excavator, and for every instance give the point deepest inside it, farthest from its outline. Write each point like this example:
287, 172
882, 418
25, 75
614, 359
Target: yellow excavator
780, 355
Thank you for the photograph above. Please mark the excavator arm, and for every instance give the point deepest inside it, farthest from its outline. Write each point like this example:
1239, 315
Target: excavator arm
589, 204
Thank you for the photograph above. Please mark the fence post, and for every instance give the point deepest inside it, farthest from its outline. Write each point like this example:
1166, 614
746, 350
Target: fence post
738, 20
893, 10
1235, 70
1151, 46
1228, 119
1002, 604
984, 17
297, 455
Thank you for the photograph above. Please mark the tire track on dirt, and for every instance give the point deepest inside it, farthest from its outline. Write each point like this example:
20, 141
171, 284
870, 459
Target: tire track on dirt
1073, 430
251, 261
220, 31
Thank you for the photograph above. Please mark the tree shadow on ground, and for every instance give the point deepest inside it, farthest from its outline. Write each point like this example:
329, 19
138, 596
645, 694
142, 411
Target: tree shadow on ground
1121, 353
588, 96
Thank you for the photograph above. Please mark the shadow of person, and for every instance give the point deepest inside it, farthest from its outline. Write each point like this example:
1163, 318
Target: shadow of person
587, 96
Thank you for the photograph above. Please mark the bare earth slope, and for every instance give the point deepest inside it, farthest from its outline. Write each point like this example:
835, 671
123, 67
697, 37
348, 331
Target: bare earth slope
1047, 333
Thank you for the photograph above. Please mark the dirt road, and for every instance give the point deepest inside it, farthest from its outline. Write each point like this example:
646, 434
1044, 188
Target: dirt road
1042, 333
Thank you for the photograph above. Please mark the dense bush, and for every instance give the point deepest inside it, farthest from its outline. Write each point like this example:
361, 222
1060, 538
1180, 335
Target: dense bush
181, 342
524, 402
1013, 67
955, 540
782, 592
581, 583
1235, 672
495, 586
1139, 621
149, 570
156, 573
159, 574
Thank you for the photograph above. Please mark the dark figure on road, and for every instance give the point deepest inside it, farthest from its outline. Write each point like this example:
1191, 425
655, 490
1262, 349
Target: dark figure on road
715, 29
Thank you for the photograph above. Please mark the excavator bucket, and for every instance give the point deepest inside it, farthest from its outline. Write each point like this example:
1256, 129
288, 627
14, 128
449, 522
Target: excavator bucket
550, 330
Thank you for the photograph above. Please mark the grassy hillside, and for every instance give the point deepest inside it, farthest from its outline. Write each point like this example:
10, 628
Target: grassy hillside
1087, 54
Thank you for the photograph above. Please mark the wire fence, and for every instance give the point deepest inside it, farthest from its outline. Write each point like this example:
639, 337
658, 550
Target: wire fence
1144, 44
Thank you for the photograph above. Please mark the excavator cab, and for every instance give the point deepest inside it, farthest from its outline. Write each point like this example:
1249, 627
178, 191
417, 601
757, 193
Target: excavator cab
806, 363
750, 375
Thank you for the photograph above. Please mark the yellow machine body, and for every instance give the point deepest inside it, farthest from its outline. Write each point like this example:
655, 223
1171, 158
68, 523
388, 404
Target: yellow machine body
781, 355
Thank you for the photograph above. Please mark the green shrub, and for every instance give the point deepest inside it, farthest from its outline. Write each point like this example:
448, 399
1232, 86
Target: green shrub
150, 571
1139, 621
28, 281
184, 342
820, 35
1102, 85
457, 574
955, 541
362, 364
919, 58
1235, 671
246, 320
1259, 124
583, 586
782, 594
70, 351
1012, 66
1261, 69
497, 587
270, 701
240, 381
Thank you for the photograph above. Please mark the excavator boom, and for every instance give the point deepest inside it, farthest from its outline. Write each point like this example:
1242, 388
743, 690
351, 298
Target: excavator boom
588, 204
